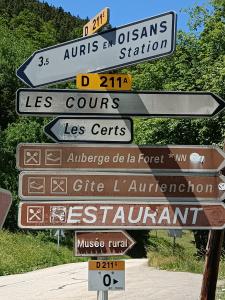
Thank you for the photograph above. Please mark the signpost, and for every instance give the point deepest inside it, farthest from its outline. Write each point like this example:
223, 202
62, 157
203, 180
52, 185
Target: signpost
113, 82
122, 215
105, 275
104, 186
102, 243
133, 158
156, 104
113, 200
85, 129
116, 48
96, 23
58, 233
5, 203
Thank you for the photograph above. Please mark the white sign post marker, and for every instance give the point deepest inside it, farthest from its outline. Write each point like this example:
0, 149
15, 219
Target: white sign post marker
104, 276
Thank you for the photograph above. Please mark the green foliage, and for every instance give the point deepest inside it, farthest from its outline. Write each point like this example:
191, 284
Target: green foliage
178, 131
197, 65
25, 26
26, 252
163, 255
63, 23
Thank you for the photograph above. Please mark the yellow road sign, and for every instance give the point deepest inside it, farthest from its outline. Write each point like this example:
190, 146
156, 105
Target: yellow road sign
100, 20
111, 82
106, 265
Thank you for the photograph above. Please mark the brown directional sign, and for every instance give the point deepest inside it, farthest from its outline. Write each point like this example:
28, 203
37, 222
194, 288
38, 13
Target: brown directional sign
89, 215
39, 185
102, 243
5, 203
117, 158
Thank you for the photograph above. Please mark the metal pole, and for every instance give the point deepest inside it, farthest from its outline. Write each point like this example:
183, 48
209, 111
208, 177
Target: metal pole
102, 295
174, 244
58, 240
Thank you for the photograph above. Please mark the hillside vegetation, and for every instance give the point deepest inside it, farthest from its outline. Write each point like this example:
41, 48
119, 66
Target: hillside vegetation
197, 65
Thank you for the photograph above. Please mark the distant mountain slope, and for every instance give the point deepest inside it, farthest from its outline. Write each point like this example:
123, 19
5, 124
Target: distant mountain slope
63, 22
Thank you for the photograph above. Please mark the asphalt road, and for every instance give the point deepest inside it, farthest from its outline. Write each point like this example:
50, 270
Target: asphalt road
69, 282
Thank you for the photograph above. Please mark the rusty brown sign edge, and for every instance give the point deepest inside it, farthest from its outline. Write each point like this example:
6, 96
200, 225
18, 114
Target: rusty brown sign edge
113, 197
133, 242
221, 204
8, 193
129, 147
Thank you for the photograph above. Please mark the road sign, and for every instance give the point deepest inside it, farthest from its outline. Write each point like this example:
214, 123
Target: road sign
102, 243
85, 129
59, 232
126, 215
96, 23
175, 233
170, 158
113, 82
130, 44
105, 275
156, 104
104, 186
5, 203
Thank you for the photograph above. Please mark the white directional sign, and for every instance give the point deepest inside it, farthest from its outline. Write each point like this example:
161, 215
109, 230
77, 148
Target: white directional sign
75, 102
126, 45
111, 130
106, 275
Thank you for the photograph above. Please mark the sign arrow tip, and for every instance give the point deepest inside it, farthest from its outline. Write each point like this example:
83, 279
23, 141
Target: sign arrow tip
221, 103
20, 72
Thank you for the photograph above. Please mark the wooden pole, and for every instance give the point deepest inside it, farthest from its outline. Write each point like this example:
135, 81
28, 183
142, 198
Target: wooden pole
212, 260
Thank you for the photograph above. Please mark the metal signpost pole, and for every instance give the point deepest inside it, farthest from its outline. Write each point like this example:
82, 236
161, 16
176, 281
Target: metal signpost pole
102, 295
58, 241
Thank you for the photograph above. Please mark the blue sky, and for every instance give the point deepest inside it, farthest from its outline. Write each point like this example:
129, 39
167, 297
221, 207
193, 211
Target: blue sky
127, 11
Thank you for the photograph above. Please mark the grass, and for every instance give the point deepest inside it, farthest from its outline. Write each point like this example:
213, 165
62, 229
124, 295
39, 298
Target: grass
20, 252
182, 257
163, 255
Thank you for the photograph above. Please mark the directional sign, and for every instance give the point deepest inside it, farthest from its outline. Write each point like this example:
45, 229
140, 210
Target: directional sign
84, 129
113, 82
104, 186
59, 232
96, 23
176, 233
102, 243
105, 275
159, 104
126, 45
5, 203
119, 158
126, 215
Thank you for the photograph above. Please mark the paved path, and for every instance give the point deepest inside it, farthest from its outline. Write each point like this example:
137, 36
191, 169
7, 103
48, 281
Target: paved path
69, 282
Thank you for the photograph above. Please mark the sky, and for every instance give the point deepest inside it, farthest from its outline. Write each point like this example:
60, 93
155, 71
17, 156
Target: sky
127, 11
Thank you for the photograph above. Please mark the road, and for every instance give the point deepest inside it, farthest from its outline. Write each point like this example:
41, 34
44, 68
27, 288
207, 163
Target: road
69, 282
